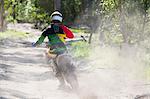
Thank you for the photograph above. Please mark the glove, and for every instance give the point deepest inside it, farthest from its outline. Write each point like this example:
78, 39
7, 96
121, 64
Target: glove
33, 44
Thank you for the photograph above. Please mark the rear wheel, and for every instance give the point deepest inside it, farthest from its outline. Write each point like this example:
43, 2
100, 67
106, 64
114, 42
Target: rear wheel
71, 79
66, 67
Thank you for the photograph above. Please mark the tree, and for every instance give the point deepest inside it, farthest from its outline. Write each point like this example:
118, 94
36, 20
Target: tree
57, 5
2, 15
145, 7
122, 20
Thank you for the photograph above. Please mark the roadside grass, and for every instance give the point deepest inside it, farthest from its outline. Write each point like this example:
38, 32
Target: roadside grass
147, 68
12, 34
80, 49
78, 30
147, 73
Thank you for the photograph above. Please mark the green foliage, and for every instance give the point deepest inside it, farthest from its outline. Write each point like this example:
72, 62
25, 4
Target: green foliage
80, 49
12, 34
147, 73
39, 10
117, 39
115, 16
109, 5
33, 10
71, 9
26, 10
146, 59
77, 30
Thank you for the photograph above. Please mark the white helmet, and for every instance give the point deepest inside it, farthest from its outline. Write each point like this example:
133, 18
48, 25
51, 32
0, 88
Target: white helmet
56, 16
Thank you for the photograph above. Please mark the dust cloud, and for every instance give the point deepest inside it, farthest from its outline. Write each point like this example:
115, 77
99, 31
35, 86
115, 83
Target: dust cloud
115, 71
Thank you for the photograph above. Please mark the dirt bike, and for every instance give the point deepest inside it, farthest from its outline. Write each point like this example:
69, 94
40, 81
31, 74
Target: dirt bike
64, 67
64, 64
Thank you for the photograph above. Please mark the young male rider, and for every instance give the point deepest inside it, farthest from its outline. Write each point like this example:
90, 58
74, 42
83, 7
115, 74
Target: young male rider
56, 33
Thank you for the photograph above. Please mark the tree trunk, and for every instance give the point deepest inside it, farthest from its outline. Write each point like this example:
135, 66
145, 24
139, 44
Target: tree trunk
145, 7
143, 27
122, 22
14, 11
90, 38
1, 15
57, 5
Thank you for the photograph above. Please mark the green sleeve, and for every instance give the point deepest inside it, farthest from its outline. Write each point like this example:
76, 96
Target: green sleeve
41, 39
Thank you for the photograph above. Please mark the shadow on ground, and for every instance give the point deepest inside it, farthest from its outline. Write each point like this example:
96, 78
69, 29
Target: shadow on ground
13, 94
12, 58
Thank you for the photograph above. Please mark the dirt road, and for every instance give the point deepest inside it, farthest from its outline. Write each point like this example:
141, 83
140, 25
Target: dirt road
25, 74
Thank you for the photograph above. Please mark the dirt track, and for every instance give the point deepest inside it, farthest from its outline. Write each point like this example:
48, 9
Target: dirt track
25, 74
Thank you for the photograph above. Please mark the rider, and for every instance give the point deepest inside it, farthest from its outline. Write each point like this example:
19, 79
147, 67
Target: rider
56, 33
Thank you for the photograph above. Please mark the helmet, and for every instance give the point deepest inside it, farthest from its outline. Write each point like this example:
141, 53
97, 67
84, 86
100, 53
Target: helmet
56, 16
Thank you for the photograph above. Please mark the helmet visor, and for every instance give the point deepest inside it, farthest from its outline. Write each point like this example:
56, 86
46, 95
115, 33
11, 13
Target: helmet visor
56, 17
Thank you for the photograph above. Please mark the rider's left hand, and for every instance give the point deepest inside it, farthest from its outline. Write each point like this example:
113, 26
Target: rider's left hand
33, 44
